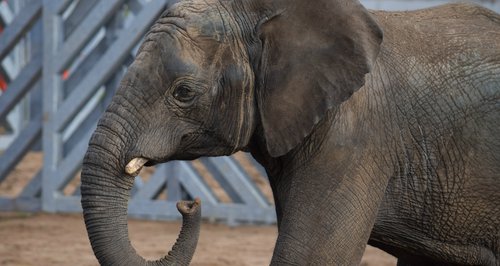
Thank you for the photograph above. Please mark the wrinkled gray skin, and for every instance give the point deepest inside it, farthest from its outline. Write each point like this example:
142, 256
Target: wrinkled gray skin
373, 126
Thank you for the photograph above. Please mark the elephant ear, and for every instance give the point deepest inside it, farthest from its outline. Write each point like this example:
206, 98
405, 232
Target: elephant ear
315, 56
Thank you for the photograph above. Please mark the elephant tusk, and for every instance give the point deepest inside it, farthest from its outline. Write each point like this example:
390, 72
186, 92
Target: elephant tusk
135, 165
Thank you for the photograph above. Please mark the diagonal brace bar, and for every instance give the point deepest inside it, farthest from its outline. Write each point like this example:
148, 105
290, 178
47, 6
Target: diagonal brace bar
20, 146
20, 86
92, 22
19, 26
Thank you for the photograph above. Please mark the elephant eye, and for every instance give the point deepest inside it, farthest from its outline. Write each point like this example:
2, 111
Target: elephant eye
183, 94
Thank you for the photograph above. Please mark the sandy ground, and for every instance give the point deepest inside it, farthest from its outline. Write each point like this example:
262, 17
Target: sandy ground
57, 239
45, 239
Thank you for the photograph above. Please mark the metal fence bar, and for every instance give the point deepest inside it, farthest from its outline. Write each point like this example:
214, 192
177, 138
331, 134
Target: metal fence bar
166, 210
175, 192
86, 29
20, 204
18, 27
222, 180
34, 187
52, 84
20, 146
18, 88
68, 166
56, 6
259, 167
234, 181
152, 187
85, 66
193, 183
228, 211
74, 19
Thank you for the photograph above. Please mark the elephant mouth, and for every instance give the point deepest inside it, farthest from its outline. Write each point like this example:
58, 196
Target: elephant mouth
134, 167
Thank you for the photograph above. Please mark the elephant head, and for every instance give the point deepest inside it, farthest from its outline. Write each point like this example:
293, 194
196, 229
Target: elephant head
210, 78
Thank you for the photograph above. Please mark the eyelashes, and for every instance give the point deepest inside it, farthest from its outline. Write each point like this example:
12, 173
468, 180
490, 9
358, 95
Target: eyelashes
184, 94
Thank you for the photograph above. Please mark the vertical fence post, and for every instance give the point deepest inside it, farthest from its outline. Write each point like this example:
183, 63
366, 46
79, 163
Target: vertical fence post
52, 31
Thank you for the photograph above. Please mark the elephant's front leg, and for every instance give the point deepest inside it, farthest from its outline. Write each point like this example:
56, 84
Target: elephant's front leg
326, 216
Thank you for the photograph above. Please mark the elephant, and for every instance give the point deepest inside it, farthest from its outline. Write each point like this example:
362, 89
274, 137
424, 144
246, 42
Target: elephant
374, 127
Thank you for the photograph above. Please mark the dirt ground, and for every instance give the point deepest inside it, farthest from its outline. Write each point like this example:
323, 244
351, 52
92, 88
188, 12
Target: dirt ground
57, 239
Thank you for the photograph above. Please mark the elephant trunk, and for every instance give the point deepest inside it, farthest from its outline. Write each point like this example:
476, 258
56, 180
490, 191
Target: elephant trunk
183, 249
105, 193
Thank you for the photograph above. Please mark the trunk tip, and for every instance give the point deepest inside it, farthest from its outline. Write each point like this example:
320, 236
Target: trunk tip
189, 207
